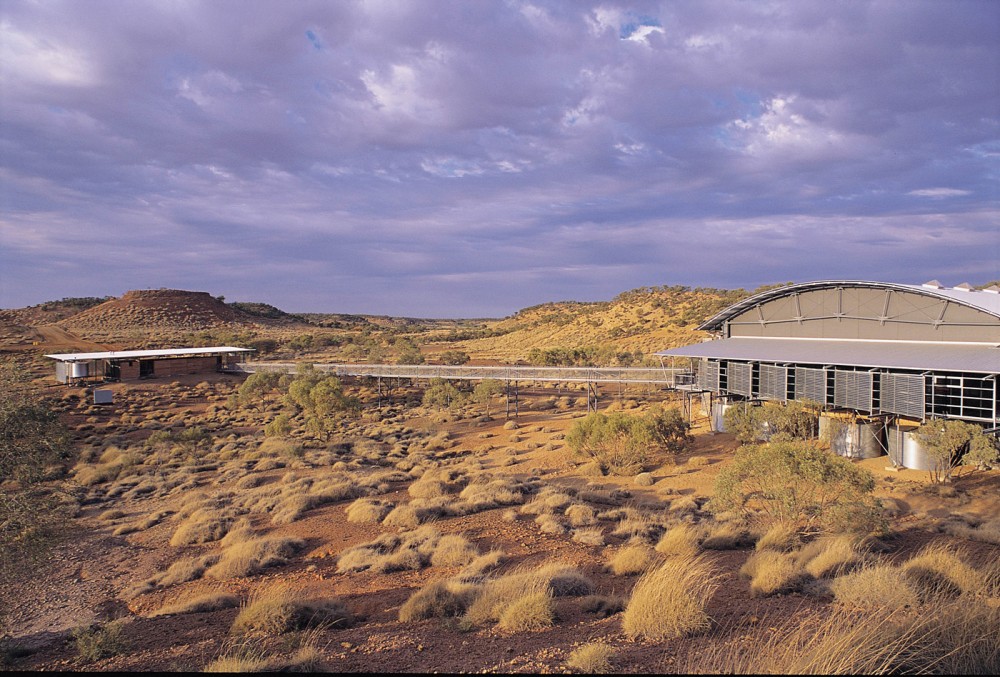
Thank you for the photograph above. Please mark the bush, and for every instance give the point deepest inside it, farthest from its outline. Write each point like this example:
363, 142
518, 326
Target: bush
278, 611
531, 612
103, 641
950, 442
440, 599
632, 559
669, 602
798, 483
594, 658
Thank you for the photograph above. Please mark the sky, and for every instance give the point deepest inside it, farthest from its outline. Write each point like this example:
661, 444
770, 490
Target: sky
436, 158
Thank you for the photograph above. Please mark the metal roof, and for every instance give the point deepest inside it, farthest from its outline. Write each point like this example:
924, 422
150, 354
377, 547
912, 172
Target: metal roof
985, 301
929, 356
140, 354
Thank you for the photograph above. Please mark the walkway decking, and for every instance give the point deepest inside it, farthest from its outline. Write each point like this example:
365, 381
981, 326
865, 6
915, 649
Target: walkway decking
671, 378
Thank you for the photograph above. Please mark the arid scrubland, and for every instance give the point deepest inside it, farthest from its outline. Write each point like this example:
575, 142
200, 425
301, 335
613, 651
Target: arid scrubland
225, 523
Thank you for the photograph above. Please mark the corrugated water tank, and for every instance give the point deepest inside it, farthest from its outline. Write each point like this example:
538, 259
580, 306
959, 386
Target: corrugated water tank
907, 450
853, 440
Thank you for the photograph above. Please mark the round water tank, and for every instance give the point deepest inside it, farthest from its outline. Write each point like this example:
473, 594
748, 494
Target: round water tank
907, 450
852, 440
719, 410
79, 370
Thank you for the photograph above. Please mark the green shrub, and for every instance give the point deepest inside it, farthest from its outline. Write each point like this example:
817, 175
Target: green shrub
798, 483
101, 641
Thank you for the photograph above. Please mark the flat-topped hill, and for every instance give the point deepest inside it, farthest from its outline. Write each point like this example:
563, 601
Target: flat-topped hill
172, 309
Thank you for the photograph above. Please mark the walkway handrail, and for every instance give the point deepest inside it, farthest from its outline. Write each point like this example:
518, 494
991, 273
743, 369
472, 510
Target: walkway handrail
651, 375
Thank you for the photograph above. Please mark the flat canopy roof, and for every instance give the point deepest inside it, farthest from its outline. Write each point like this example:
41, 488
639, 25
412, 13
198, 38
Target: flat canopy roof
140, 354
929, 356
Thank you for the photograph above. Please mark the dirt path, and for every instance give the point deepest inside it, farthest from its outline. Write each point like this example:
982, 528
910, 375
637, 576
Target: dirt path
55, 337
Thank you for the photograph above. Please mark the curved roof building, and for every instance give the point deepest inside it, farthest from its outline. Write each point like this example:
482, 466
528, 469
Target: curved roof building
911, 351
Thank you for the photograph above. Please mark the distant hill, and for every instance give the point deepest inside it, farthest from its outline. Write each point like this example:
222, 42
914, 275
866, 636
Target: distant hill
163, 309
642, 320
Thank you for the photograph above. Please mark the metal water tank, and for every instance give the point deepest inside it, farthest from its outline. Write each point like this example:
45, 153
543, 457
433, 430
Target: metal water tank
79, 370
719, 410
853, 440
907, 450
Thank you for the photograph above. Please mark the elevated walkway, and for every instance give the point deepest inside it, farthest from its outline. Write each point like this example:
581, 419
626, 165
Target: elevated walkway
671, 378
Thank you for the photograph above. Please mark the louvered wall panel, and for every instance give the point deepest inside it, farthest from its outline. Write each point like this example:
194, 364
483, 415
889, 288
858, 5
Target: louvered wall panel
852, 389
774, 382
810, 384
708, 376
740, 378
902, 394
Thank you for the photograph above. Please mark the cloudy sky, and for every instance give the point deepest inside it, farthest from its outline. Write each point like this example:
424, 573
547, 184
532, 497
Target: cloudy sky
467, 159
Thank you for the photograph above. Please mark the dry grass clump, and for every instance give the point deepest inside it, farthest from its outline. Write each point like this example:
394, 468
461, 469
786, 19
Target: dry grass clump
439, 599
680, 541
482, 565
781, 537
876, 586
830, 555
589, 536
772, 572
204, 525
278, 610
580, 515
593, 658
368, 510
644, 479
453, 550
632, 559
496, 595
638, 525
281, 447
141, 524
722, 537
946, 637
530, 612
550, 524
669, 601
408, 551
404, 516
988, 532
247, 557
193, 604
937, 570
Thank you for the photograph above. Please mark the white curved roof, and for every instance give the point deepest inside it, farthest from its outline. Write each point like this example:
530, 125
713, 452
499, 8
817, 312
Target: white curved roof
986, 301
146, 354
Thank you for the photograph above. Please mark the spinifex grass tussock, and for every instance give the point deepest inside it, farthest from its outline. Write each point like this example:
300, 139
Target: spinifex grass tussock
669, 601
482, 565
988, 532
722, 537
680, 541
830, 555
782, 537
368, 510
938, 570
533, 611
199, 603
589, 536
593, 658
632, 559
580, 515
876, 586
772, 572
278, 610
497, 594
245, 558
453, 550
944, 637
439, 599
204, 525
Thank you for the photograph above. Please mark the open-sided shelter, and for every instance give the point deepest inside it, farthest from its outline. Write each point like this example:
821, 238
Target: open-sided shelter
134, 364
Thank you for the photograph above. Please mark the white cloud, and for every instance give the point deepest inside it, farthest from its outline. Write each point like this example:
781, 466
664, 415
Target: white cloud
939, 192
41, 60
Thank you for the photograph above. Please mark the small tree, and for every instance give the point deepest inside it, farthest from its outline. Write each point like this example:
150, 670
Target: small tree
799, 484
946, 443
983, 452
442, 394
454, 357
669, 429
484, 392
254, 390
